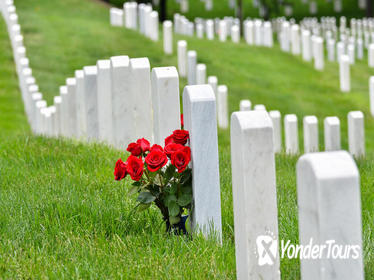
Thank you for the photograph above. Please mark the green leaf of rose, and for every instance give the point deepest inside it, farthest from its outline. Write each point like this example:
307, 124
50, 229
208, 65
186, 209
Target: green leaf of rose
174, 220
132, 190
184, 199
146, 197
173, 208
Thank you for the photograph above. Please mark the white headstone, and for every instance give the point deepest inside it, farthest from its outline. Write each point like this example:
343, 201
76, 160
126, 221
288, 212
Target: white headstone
166, 102
200, 120
235, 33
356, 134
182, 58
141, 95
310, 124
291, 134
222, 107
319, 56
295, 39
123, 122
222, 31
252, 149
104, 101
191, 67
90, 96
332, 134
245, 105
371, 55
64, 111
80, 104
201, 74
71, 86
306, 45
210, 29
345, 75
371, 89
328, 190
57, 116
277, 130
168, 36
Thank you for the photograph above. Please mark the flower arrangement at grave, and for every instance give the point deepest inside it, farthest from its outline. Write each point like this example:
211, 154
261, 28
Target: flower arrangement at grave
161, 176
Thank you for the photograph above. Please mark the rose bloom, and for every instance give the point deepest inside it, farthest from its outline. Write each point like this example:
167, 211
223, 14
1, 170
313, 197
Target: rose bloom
135, 167
172, 147
157, 147
181, 158
169, 139
156, 160
120, 171
134, 149
144, 144
180, 136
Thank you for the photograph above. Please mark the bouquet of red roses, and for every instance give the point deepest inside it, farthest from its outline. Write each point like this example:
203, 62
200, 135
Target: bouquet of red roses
161, 175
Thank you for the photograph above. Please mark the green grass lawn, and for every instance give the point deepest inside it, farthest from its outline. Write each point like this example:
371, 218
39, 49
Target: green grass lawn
63, 216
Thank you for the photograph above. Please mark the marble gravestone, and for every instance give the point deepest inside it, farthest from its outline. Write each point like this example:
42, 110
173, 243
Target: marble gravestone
201, 74
276, 118
140, 99
332, 134
222, 107
245, 105
168, 36
329, 202
80, 105
71, 86
90, 96
191, 67
356, 134
200, 120
252, 149
122, 115
182, 58
291, 134
344, 71
310, 124
104, 101
166, 102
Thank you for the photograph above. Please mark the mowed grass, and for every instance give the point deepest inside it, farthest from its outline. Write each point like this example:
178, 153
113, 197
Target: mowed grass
62, 214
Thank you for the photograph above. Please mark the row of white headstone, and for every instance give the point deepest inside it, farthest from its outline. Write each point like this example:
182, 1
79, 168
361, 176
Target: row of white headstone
137, 17
120, 100
332, 139
196, 74
328, 200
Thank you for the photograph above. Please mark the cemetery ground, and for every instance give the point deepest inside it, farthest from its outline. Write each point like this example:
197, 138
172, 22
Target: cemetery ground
63, 216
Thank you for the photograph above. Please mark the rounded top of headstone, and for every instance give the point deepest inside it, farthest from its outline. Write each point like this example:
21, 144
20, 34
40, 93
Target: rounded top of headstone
120, 61
311, 119
329, 165
90, 70
57, 99
332, 120
290, 118
356, 114
103, 64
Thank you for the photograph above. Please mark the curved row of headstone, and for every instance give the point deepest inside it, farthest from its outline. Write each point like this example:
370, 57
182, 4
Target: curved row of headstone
138, 17
332, 138
122, 99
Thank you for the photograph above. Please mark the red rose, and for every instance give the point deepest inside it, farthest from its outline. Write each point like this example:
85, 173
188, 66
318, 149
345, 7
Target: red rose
135, 167
180, 136
156, 160
172, 147
134, 149
181, 158
120, 171
182, 121
144, 144
157, 147
169, 139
